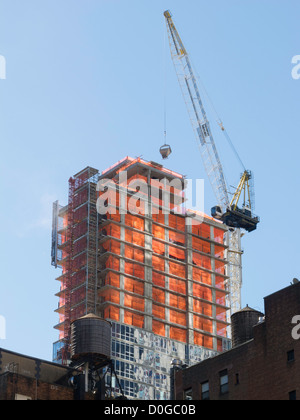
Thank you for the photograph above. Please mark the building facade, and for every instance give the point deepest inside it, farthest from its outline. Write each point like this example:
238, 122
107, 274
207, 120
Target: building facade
265, 367
28, 378
132, 253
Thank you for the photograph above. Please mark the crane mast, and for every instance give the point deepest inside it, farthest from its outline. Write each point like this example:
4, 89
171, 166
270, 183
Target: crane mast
210, 157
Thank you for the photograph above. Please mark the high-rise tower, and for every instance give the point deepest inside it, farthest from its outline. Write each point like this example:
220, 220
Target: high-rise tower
131, 253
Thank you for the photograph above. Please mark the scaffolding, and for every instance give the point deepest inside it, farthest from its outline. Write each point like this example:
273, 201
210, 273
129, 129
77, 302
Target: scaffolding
76, 240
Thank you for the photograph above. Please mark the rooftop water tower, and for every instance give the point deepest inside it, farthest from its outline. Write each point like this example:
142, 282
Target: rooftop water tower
91, 352
242, 323
91, 340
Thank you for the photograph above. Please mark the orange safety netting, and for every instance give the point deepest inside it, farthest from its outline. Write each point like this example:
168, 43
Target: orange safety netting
177, 222
110, 295
201, 260
111, 230
113, 263
178, 334
177, 285
201, 245
135, 237
158, 328
177, 317
112, 279
158, 263
202, 230
158, 279
202, 307
219, 251
221, 329
159, 218
220, 298
202, 292
135, 270
158, 295
221, 314
111, 246
177, 253
131, 318
220, 345
158, 247
134, 286
158, 232
134, 302
219, 267
115, 217
176, 237
201, 276
219, 235
134, 221
134, 253
177, 269
158, 311
220, 282
203, 324
177, 301
136, 205
203, 340
111, 312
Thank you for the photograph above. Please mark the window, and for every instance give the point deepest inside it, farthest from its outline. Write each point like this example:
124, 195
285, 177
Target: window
292, 396
290, 356
224, 381
205, 391
188, 394
237, 379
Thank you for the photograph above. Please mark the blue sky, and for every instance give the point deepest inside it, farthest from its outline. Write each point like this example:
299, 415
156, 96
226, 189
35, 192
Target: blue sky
85, 86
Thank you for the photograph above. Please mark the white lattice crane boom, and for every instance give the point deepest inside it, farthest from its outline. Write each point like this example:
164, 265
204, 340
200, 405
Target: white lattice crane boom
227, 211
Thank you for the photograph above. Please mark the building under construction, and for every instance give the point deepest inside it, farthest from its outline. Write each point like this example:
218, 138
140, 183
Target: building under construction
157, 274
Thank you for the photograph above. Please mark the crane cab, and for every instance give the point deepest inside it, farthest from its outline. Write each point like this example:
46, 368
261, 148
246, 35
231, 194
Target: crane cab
236, 217
216, 213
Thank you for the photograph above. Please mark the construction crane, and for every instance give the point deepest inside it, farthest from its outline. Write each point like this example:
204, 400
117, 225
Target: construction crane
228, 211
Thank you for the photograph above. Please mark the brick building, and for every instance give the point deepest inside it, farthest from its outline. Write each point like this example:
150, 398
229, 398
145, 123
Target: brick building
27, 378
263, 366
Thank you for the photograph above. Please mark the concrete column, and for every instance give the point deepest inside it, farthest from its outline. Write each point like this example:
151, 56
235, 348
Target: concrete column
213, 282
189, 286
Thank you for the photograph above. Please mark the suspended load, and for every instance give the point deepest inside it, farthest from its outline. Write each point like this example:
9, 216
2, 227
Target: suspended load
165, 151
